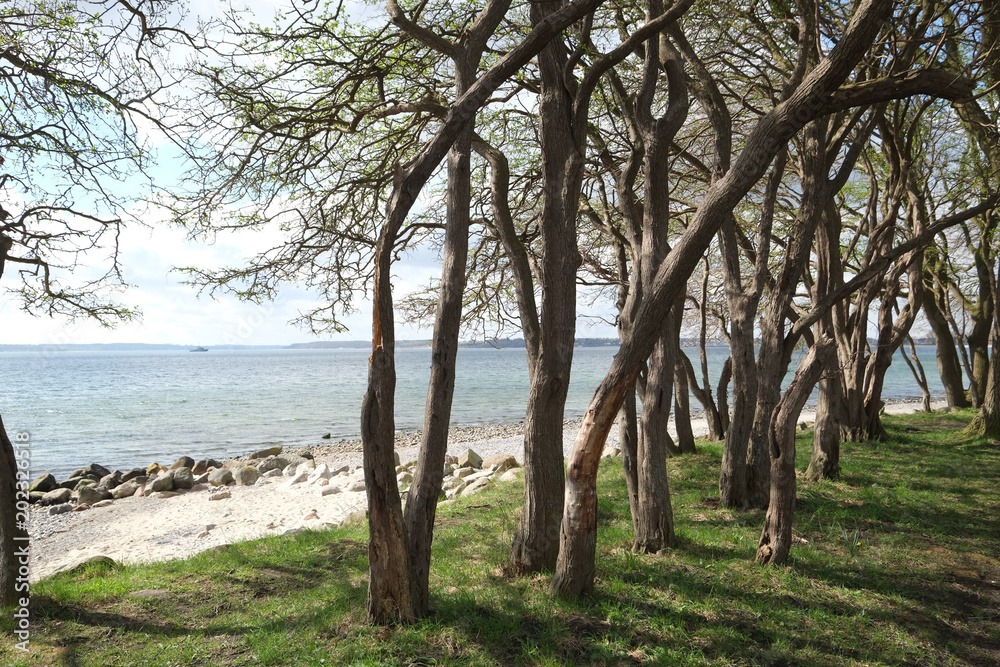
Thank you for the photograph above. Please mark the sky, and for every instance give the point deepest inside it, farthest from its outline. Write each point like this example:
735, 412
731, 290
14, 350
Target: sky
174, 313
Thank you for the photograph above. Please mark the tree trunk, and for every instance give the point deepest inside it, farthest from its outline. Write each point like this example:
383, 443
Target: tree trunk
733, 474
987, 420
830, 411
13, 533
917, 369
421, 506
628, 436
892, 333
716, 430
949, 366
536, 540
979, 348
389, 591
776, 538
682, 410
774, 356
716, 427
578, 532
654, 523
986, 423
743, 305
422, 500
825, 460
722, 391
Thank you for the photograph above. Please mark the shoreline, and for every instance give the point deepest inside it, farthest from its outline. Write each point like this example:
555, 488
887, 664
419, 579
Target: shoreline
135, 530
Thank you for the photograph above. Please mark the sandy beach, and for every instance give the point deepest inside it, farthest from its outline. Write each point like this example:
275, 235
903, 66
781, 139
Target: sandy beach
135, 530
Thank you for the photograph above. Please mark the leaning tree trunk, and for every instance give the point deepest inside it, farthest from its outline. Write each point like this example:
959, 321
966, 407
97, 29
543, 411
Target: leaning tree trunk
776, 538
13, 535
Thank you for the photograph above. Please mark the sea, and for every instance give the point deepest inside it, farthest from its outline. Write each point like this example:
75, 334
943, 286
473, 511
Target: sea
128, 408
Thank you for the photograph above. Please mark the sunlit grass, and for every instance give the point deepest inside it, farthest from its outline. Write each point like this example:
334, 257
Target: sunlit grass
895, 563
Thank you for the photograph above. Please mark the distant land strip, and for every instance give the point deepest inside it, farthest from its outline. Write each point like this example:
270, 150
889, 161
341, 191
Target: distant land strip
333, 345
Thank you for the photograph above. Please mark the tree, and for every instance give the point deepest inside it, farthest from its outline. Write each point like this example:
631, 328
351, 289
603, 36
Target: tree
335, 89
776, 538
75, 84
818, 94
465, 53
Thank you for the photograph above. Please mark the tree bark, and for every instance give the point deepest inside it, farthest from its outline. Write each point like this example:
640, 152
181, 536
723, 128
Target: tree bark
949, 366
733, 471
389, 591
825, 460
743, 306
536, 540
987, 420
13, 535
716, 426
776, 538
682, 410
628, 436
986, 423
654, 523
775, 353
423, 496
564, 106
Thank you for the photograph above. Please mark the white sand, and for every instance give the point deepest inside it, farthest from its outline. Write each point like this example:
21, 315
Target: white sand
135, 530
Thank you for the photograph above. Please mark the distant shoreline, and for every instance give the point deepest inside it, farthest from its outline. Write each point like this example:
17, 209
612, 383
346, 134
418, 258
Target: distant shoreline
509, 343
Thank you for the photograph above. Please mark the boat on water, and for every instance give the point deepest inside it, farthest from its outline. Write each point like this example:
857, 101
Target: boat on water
199, 349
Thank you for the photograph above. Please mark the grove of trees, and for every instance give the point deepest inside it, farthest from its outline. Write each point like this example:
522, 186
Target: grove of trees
810, 176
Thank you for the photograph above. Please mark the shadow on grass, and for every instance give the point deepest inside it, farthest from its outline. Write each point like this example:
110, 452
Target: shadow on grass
930, 598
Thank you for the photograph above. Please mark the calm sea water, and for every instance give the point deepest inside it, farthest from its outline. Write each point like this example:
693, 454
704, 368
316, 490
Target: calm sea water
123, 409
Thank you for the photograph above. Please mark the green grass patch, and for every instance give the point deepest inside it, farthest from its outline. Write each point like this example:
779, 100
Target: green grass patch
896, 563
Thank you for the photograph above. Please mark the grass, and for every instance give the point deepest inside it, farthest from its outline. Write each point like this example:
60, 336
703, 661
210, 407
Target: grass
896, 563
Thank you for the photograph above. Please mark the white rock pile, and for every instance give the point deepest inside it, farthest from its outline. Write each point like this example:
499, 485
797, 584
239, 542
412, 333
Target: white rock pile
95, 486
